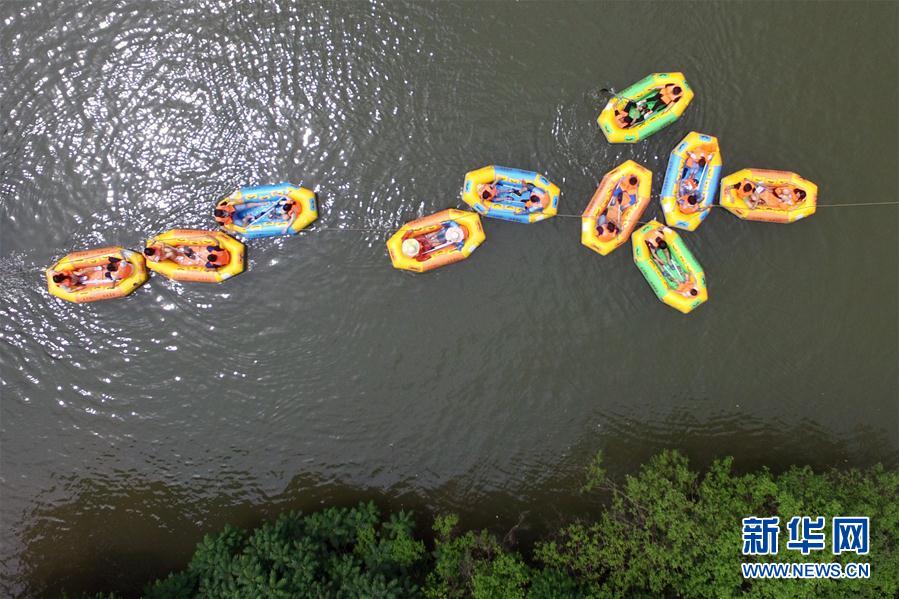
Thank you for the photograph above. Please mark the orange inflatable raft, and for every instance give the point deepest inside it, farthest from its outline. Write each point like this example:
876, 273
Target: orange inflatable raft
194, 255
436, 240
99, 274
769, 196
616, 207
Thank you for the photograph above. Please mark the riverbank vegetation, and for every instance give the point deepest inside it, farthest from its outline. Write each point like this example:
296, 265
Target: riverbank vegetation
666, 531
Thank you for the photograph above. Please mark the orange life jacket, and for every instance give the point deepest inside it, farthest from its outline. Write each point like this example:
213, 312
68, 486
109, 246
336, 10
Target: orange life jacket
685, 206
488, 192
668, 94
228, 209
218, 257
741, 190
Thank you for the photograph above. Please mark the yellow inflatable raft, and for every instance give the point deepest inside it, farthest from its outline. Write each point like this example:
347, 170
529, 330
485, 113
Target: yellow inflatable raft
194, 255
616, 207
99, 274
436, 240
511, 194
645, 107
669, 267
770, 196
267, 211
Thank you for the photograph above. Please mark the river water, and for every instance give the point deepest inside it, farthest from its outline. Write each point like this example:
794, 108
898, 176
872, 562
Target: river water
322, 375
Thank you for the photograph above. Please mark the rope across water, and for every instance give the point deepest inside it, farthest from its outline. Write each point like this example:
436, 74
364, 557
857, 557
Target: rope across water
17, 270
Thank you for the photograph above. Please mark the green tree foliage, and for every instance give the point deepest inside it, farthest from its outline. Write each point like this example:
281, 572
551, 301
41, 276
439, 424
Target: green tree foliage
671, 532
333, 553
667, 531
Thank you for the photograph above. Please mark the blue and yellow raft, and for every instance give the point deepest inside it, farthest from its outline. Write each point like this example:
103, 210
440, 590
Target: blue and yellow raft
267, 210
691, 181
511, 194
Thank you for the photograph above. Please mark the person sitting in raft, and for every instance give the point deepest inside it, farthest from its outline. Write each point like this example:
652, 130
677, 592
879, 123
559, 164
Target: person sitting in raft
420, 247
224, 214
487, 191
687, 200
693, 165
676, 277
290, 210
791, 196
623, 119
181, 255
534, 201
117, 269
160, 252
745, 190
77, 280
608, 225
659, 100
215, 256
68, 281
688, 204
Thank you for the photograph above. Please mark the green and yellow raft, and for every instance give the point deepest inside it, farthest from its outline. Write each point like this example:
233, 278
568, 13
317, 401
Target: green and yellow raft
673, 273
672, 87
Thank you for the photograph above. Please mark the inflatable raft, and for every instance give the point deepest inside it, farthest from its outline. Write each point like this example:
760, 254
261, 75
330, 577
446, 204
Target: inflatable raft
770, 196
616, 207
193, 255
691, 181
645, 107
669, 267
99, 274
267, 211
510, 194
436, 240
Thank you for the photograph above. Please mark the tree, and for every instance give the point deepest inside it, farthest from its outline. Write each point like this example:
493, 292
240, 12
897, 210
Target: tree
334, 553
671, 532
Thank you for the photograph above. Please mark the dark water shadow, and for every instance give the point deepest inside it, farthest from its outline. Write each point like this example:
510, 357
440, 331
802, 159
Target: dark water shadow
118, 533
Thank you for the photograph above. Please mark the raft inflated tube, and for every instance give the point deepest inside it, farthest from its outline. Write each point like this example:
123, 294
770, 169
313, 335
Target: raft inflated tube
98, 258
639, 91
683, 299
436, 240
740, 202
514, 211
262, 203
178, 238
699, 145
599, 204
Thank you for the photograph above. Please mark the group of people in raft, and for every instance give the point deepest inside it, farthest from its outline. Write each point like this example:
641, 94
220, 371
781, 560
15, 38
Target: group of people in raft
635, 112
106, 275
421, 247
608, 225
210, 257
284, 211
757, 195
524, 196
624, 197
